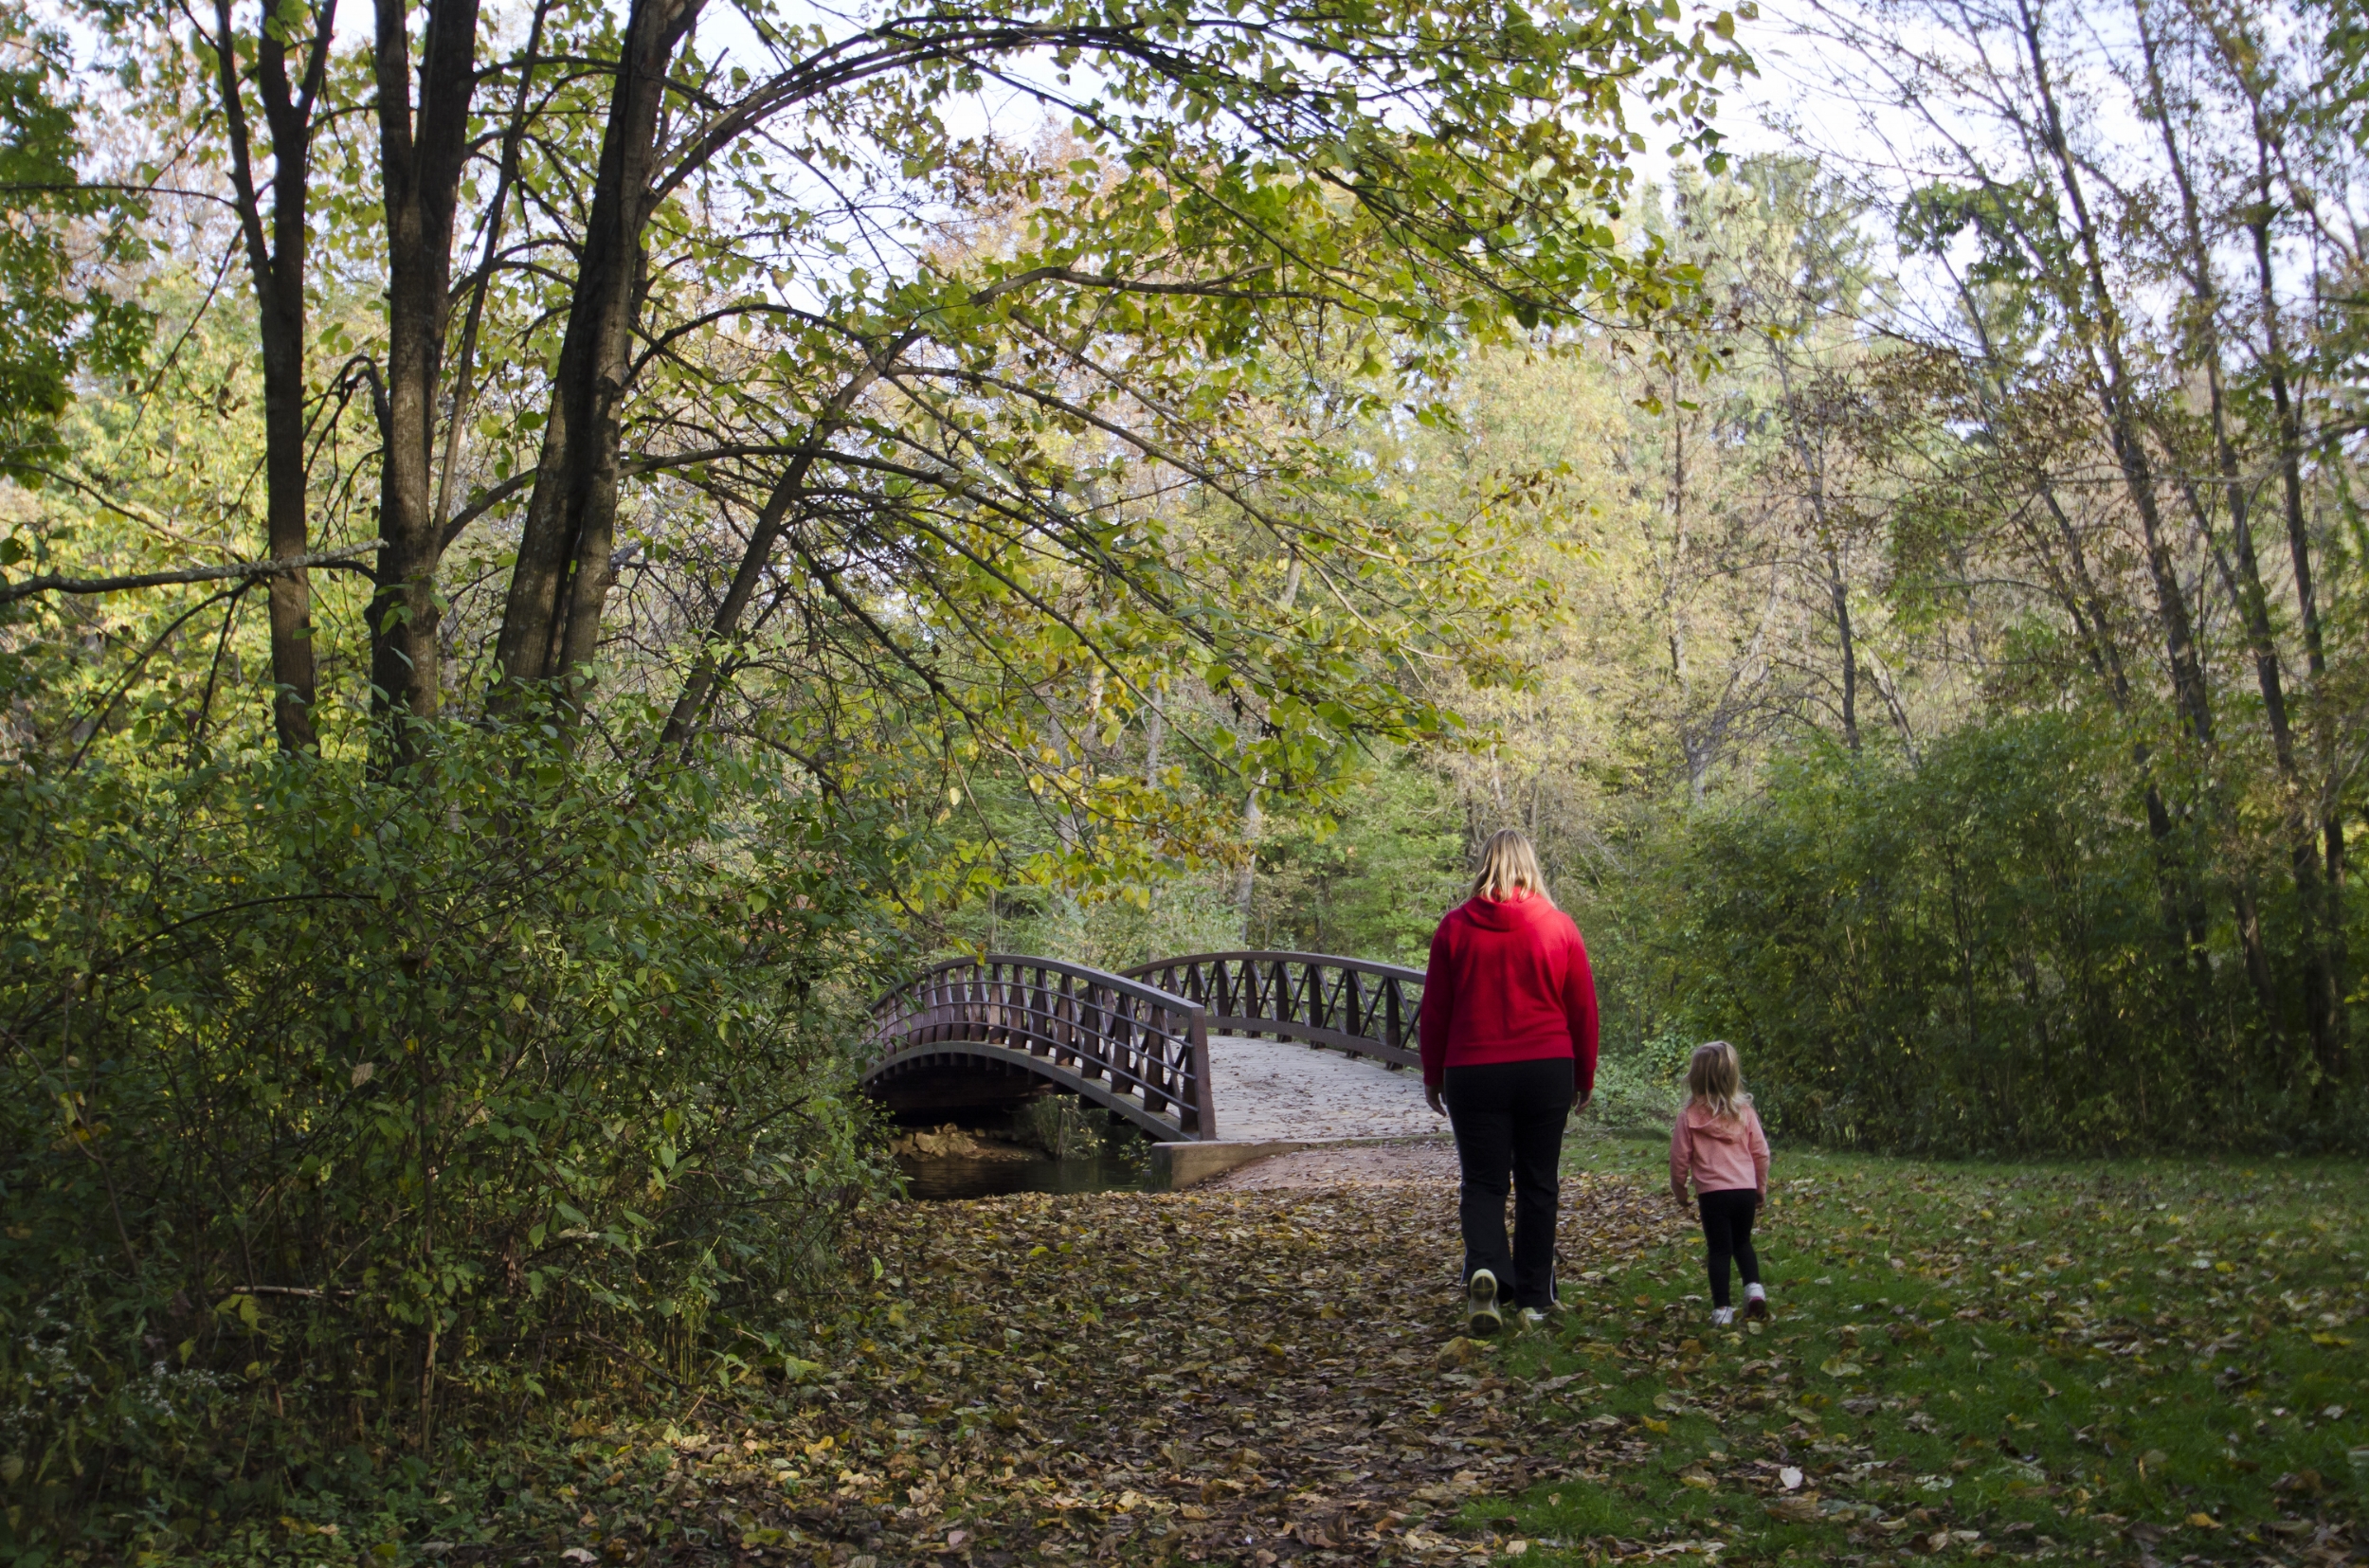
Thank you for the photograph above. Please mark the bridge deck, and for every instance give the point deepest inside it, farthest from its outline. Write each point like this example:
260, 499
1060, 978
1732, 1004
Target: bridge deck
1280, 1089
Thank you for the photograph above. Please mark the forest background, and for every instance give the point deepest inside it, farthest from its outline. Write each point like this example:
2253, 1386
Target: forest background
549, 551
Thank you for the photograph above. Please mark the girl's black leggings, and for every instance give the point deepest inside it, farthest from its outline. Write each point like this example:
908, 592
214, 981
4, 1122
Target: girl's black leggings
1727, 1227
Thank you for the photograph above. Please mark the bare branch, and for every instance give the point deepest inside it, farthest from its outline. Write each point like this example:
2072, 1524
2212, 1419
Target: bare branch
228, 571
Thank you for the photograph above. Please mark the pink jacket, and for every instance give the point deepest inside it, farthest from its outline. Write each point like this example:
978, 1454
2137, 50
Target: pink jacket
1723, 1156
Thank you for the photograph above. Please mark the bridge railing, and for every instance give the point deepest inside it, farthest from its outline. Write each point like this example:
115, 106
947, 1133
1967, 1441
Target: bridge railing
1135, 1048
1365, 1009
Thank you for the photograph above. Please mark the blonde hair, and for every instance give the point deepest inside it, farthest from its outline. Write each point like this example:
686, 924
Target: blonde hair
1507, 864
1715, 1077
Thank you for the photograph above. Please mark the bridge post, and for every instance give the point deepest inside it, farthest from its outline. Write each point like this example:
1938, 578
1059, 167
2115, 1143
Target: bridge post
1202, 1123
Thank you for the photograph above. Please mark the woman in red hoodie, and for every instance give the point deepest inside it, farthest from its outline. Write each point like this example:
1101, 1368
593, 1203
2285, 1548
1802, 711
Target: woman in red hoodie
1509, 1042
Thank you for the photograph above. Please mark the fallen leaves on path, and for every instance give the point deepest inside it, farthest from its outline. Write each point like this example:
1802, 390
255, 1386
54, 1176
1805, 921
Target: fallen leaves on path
1223, 1377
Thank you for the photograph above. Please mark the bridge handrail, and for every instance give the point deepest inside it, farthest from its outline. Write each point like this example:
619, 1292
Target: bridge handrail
1351, 1005
1139, 1050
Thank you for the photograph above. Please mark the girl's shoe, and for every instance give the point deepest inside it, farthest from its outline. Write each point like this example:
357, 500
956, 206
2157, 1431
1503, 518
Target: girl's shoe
1481, 1317
1756, 1304
1723, 1316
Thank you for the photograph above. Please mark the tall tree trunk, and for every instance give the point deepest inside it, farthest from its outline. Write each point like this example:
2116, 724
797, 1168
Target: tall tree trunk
2093, 302
2317, 801
1246, 880
420, 166
275, 254
1838, 593
2246, 579
2083, 600
281, 320
2321, 1001
1813, 462
551, 616
2182, 905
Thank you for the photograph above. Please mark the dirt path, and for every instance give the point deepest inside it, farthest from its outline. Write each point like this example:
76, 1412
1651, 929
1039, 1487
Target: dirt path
1276, 1089
1243, 1376
1428, 1166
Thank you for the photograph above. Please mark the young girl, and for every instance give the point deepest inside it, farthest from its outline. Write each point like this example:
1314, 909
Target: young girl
1718, 1141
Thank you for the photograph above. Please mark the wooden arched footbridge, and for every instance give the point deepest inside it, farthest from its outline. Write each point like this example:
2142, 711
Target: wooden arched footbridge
981, 1031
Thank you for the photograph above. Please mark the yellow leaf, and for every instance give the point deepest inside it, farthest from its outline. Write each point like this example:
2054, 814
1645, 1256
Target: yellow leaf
1651, 1425
2334, 1342
2204, 1522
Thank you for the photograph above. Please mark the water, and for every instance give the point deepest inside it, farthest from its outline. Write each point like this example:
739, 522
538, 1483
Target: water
938, 1177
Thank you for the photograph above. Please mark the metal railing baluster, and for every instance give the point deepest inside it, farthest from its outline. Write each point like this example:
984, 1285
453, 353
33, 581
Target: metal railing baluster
1345, 1003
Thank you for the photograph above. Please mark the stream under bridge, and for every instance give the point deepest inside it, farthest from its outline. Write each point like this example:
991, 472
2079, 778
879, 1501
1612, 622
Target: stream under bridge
1241, 1047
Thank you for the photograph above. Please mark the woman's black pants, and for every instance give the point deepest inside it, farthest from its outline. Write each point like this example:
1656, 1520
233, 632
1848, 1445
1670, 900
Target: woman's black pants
1508, 1120
1728, 1233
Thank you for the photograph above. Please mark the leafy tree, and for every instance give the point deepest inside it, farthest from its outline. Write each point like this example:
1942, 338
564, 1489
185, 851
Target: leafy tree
61, 236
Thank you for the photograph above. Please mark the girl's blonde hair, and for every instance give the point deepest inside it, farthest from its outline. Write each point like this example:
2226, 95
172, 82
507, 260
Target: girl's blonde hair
1715, 1077
1507, 865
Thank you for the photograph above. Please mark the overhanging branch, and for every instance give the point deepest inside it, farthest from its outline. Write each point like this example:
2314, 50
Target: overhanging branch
230, 571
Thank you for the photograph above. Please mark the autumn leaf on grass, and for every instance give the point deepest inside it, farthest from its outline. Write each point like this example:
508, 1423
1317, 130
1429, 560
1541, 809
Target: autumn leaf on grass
2204, 1520
1837, 1366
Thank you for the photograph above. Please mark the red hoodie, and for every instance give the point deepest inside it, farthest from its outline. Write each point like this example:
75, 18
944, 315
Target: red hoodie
1507, 983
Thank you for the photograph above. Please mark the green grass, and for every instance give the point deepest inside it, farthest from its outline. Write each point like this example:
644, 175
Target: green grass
2040, 1359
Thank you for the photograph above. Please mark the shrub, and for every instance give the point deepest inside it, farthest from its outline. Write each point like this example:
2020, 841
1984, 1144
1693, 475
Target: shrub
1968, 954
365, 1105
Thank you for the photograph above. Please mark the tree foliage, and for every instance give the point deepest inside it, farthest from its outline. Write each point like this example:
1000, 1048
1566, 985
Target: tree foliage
55, 317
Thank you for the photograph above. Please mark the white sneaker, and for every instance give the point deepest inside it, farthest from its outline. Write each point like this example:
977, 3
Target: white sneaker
1532, 1317
1756, 1304
1481, 1317
1723, 1316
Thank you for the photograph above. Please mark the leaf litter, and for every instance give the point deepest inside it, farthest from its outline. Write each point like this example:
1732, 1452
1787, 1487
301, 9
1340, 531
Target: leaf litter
1251, 1377
1261, 1376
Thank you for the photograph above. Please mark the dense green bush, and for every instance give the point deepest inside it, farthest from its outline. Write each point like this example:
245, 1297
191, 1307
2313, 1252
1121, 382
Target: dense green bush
1972, 952
337, 1110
